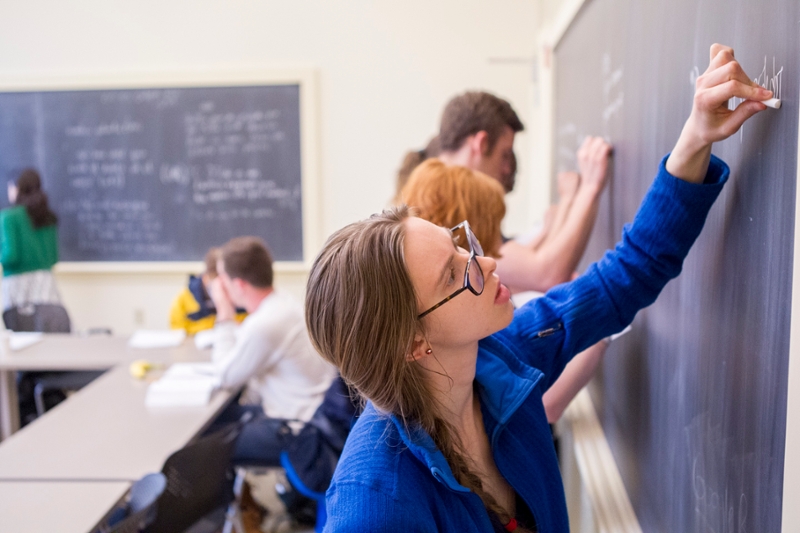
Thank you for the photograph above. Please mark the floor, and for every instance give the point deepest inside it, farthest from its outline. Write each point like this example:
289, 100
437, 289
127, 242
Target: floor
263, 490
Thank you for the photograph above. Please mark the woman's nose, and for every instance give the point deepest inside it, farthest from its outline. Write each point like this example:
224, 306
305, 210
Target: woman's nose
488, 264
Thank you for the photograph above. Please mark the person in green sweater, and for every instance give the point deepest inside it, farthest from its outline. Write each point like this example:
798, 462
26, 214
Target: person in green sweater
28, 245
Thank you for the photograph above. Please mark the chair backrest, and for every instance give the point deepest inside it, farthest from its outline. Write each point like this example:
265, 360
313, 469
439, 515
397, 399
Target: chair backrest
199, 480
47, 318
313, 454
139, 511
146, 491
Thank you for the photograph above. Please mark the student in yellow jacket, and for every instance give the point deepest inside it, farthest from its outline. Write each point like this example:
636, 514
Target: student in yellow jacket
193, 310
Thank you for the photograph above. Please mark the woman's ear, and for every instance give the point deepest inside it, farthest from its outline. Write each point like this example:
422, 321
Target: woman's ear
420, 349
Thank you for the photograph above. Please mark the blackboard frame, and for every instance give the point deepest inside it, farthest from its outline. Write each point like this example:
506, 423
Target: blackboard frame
791, 466
546, 75
305, 78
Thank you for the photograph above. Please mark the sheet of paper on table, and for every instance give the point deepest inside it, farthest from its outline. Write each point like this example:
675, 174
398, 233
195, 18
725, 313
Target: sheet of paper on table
183, 384
157, 338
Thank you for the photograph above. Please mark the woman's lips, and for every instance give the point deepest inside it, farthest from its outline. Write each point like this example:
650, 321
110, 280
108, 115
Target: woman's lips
503, 295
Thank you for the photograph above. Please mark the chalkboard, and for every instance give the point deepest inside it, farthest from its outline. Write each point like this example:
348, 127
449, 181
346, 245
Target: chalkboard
693, 400
162, 174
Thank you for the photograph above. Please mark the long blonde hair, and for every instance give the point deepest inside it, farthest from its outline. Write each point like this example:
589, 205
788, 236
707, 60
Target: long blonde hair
361, 313
447, 195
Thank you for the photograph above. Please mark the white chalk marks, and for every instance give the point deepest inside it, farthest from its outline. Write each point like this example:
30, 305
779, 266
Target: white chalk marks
772, 82
613, 96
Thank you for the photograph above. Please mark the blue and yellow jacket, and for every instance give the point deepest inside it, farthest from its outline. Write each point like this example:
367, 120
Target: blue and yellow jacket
193, 310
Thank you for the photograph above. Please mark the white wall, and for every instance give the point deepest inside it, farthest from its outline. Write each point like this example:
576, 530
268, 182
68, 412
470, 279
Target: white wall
385, 69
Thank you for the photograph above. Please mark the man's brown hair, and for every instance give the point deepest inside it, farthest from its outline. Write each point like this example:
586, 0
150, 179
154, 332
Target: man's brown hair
212, 255
248, 258
474, 111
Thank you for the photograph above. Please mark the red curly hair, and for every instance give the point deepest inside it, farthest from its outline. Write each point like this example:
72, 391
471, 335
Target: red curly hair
448, 195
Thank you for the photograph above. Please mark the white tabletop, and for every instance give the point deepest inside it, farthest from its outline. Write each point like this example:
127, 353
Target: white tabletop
104, 432
59, 351
46, 507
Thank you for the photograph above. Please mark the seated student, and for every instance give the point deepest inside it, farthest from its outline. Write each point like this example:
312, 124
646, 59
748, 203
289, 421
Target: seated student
193, 309
455, 437
446, 196
269, 352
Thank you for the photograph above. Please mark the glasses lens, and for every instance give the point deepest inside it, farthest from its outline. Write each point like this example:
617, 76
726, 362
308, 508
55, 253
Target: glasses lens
473, 243
475, 276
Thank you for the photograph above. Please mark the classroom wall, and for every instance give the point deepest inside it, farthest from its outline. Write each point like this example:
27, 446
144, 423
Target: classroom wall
385, 71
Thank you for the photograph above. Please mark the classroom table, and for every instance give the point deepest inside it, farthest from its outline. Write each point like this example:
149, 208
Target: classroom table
65, 507
104, 432
75, 352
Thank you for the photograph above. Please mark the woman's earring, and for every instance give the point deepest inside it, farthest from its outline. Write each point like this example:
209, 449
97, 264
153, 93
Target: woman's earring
428, 351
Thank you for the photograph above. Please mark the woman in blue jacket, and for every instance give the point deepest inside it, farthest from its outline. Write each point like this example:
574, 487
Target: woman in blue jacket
455, 437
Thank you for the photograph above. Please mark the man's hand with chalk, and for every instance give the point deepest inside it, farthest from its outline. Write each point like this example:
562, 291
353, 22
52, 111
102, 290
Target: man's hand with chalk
711, 120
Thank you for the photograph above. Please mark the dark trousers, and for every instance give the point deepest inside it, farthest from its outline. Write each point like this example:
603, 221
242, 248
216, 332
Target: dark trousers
261, 440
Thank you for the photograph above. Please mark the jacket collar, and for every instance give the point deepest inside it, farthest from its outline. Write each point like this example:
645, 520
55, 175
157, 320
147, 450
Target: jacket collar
504, 382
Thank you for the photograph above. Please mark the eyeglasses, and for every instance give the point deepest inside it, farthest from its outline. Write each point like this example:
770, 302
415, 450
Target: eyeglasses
473, 275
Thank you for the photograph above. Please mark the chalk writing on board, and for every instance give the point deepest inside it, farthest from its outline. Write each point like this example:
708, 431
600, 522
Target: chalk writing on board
693, 75
210, 133
107, 169
772, 82
118, 224
718, 507
613, 96
569, 140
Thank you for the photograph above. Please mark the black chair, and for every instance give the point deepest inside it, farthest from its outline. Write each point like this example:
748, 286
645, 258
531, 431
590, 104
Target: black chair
49, 318
49, 388
199, 482
62, 382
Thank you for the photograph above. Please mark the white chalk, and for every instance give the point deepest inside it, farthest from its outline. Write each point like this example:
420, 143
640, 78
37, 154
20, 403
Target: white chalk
774, 103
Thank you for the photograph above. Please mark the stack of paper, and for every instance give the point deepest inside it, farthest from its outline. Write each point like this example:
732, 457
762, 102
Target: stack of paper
21, 340
157, 338
205, 339
183, 384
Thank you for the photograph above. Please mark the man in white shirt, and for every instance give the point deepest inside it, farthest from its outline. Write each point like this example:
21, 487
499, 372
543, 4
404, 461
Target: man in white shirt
270, 352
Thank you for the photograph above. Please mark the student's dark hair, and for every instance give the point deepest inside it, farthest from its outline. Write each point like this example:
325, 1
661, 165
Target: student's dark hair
474, 111
412, 160
31, 195
248, 258
361, 314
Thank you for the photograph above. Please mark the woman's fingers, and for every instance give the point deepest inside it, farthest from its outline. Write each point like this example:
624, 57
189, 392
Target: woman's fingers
718, 95
727, 72
720, 54
738, 117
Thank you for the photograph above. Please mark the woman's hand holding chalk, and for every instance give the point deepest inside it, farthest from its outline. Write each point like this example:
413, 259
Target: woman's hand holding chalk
711, 119
774, 103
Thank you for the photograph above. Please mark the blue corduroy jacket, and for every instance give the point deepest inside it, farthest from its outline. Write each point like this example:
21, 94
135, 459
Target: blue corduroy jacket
393, 479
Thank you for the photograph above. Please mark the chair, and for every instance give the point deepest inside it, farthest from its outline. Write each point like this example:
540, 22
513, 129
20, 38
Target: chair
49, 318
311, 457
139, 510
199, 481
65, 382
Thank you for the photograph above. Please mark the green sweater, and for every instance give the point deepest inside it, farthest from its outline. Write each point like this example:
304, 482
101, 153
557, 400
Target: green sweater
25, 248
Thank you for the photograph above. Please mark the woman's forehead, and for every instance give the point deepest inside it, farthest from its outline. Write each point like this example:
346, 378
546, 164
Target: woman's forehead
426, 246
419, 229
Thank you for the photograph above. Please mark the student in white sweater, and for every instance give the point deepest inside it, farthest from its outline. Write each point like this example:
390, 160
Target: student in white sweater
270, 352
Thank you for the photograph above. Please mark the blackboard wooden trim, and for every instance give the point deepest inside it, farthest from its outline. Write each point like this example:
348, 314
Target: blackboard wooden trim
307, 78
562, 21
611, 506
790, 519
